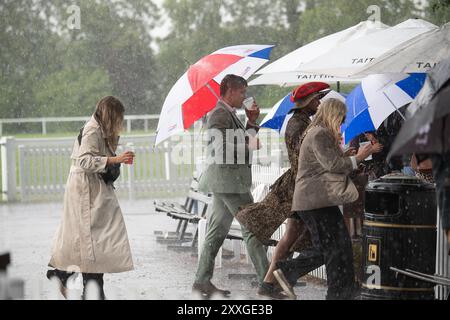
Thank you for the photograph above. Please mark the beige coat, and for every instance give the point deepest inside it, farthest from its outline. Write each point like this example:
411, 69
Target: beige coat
92, 237
322, 178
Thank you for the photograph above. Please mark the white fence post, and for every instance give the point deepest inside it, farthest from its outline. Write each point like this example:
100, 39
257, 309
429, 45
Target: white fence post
130, 147
128, 125
167, 160
22, 174
8, 155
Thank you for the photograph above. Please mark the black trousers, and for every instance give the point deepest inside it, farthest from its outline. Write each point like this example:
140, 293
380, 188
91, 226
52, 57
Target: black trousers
331, 246
64, 276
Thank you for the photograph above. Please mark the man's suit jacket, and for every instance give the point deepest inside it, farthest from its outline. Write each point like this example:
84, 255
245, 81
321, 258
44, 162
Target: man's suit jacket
229, 158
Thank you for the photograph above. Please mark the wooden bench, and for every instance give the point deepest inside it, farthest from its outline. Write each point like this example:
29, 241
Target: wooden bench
194, 208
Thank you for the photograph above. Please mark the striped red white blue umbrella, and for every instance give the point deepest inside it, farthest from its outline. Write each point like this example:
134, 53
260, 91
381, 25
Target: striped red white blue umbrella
197, 91
378, 96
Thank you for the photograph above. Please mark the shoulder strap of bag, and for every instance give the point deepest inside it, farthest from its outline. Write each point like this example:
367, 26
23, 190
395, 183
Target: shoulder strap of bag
80, 136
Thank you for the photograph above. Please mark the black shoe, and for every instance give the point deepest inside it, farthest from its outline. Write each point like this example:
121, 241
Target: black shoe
271, 291
97, 279
62, 278
284, 283
208, 289
286, 267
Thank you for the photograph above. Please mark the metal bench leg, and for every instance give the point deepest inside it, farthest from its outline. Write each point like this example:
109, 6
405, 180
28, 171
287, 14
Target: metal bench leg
177, 232
194, 239
183, 230
201, 235
236, 250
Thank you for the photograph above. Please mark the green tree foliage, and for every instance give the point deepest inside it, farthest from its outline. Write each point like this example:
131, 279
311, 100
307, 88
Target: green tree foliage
71, 91
44, 62
114, 36
26, 56
438, 11
48, 69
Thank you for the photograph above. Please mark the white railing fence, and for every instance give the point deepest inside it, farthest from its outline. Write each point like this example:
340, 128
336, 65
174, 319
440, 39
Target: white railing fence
129, 121
35, 169
45, 121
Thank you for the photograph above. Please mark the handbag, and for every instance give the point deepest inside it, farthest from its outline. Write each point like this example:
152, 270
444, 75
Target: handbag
112, 172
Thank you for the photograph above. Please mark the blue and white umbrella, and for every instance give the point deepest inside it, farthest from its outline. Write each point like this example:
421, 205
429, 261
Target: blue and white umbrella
378, 96
279, 116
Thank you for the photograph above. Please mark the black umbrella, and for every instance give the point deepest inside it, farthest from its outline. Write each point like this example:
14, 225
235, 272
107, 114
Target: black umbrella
427, 129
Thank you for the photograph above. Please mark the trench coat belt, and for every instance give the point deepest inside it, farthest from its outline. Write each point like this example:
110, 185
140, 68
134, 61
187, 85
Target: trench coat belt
74, 169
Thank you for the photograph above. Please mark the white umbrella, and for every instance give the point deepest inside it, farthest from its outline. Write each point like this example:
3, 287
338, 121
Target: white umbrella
282, 71
352, 55
290, 79
418, 55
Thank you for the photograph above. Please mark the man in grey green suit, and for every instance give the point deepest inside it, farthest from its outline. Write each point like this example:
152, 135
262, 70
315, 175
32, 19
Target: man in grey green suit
229, 177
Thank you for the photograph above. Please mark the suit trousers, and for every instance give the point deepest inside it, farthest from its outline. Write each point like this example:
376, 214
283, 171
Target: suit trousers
225, 207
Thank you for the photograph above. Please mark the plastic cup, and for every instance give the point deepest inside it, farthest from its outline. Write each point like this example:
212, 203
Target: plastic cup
131, 160
248, 103
362, 144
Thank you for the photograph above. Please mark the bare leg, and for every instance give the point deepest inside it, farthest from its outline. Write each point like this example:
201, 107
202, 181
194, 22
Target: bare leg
281, 252
349, 224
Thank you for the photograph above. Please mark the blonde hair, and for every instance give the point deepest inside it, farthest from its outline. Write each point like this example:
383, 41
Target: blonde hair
109, 114
330, 115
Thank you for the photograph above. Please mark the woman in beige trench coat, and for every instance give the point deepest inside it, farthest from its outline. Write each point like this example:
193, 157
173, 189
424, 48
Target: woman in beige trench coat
92, 237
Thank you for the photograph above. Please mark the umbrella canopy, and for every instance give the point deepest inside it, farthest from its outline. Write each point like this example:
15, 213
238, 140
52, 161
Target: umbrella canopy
279, 116
376, 98
420, 54
428, 126
197, 91
282, 71
352, 55
436, 79
428, 131
291, 79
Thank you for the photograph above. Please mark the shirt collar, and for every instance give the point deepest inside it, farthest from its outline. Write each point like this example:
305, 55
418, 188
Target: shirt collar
230, 108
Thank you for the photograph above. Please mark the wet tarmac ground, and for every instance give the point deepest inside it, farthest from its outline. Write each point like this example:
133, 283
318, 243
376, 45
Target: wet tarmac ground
162, 272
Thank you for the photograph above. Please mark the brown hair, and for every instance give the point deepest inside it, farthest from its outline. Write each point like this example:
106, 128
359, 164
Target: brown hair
231, 81
109, 114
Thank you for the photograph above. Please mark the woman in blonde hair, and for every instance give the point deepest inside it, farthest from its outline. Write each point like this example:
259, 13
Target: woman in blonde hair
322, 185
92, 237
